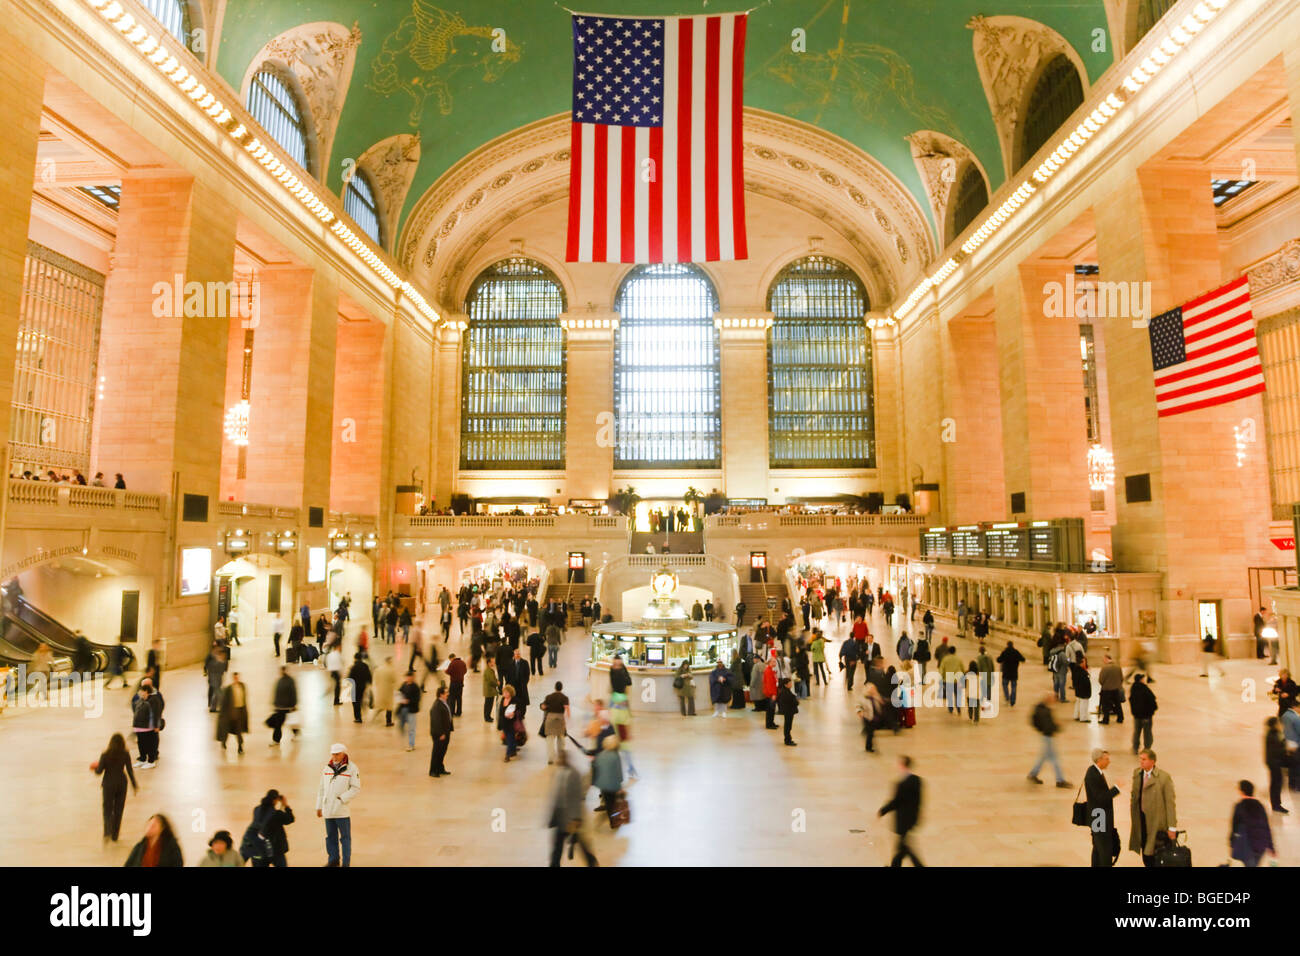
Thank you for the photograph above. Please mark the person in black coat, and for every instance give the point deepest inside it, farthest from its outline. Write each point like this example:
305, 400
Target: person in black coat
906, 807
787, 705
1142, 705
114, 765
1010, 660
1100, 796
1275, 759
270, 817
359, 674
517, 676
440, 728
536, 653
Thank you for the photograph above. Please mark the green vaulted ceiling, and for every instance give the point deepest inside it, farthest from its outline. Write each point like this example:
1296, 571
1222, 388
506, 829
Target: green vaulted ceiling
873, 72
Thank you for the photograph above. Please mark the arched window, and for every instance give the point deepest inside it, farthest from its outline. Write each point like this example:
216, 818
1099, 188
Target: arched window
1057, 94
174, 15
1148, 14
667, 396
820, 406
274, 104
359, 203
969, 201
513, 369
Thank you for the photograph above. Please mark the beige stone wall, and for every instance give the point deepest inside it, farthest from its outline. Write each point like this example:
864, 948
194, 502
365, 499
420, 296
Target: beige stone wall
973, 480
744, 412
357, 438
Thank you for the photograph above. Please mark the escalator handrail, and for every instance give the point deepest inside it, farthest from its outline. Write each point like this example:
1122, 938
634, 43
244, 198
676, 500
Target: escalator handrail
61, 632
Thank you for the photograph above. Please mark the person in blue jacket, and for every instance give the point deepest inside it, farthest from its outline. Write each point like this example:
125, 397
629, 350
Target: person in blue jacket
720, 689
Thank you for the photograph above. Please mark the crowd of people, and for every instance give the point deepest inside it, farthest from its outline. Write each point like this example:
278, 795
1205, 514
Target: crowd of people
71, 478
513, 639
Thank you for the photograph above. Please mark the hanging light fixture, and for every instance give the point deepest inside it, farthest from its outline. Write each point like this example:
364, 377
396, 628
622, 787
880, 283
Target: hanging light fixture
237, 423
1101, 468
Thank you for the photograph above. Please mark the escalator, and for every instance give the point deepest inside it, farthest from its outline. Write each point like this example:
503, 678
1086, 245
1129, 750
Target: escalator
24, 628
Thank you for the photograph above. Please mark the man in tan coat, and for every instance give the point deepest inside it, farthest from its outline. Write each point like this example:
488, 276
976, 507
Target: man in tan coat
1151, 807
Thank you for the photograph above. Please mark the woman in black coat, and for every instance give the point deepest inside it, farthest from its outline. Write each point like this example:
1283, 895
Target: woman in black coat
1275, 760
270, 818
1081, 681
114, 765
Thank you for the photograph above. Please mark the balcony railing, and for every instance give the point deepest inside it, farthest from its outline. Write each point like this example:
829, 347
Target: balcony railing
81, 498
569, 524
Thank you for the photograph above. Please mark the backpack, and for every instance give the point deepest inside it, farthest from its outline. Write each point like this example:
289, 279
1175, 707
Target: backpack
1056, 659
255, 845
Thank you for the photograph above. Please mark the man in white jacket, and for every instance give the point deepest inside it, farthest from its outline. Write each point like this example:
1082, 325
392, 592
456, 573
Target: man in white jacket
340, 781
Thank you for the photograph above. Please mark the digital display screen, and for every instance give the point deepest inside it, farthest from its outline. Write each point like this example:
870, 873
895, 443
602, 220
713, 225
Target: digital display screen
1055, 544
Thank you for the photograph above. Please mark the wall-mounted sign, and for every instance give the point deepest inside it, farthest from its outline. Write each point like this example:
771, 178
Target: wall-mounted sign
1283, 544
577, 560
758, 559
315, 565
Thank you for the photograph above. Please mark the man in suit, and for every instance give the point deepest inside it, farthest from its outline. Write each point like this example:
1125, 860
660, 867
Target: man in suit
440, 727
1152, 805
1100, 796
906, 807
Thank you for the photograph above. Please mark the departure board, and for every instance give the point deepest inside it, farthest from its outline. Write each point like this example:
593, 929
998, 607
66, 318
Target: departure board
1036, 545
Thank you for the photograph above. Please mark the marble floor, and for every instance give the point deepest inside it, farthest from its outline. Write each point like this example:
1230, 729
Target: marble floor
711, 792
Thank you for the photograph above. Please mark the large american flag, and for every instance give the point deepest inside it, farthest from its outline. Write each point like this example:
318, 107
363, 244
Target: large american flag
1205, 352
656, 172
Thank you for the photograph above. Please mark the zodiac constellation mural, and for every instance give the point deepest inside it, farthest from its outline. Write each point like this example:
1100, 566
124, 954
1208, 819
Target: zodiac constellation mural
428, 48
870, 76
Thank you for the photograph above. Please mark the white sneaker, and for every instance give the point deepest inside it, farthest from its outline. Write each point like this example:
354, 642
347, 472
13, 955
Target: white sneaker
138, 764
147, 766
723, 715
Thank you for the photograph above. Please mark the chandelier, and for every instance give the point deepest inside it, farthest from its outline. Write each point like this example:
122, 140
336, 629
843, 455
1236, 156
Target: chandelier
237, 423
1101, 468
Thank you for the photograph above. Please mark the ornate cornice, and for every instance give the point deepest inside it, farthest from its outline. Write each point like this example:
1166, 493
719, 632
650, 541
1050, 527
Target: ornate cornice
1278, 269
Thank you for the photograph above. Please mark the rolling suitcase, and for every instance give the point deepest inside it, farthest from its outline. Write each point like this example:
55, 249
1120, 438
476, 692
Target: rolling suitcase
292, 653
1174, 853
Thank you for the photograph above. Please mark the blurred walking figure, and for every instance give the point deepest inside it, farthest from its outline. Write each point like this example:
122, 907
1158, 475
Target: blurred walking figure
568, 812
215, 669
1250, 837
1275, 760
1045, 724
556, 722
233, 715
607, 776
158, 846
906, 807
385, 690
114, 765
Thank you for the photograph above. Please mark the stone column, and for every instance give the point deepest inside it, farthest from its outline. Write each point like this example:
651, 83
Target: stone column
589, 406
22, 89
1044, 425
356, 465
971, 430
744, 408
1207, 517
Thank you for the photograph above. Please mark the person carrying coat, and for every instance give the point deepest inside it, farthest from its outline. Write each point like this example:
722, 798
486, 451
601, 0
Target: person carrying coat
1100, 796
684, 688
1153, 816
232, 718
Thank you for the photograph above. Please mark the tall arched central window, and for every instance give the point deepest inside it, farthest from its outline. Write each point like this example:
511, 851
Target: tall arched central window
512, 369
820, 406
667, 399
273, 103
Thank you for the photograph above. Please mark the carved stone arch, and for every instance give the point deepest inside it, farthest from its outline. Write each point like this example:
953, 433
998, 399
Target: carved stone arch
390, 167
1010, 54
319, 57
803, 249
486, 259
784, 158
941, 162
